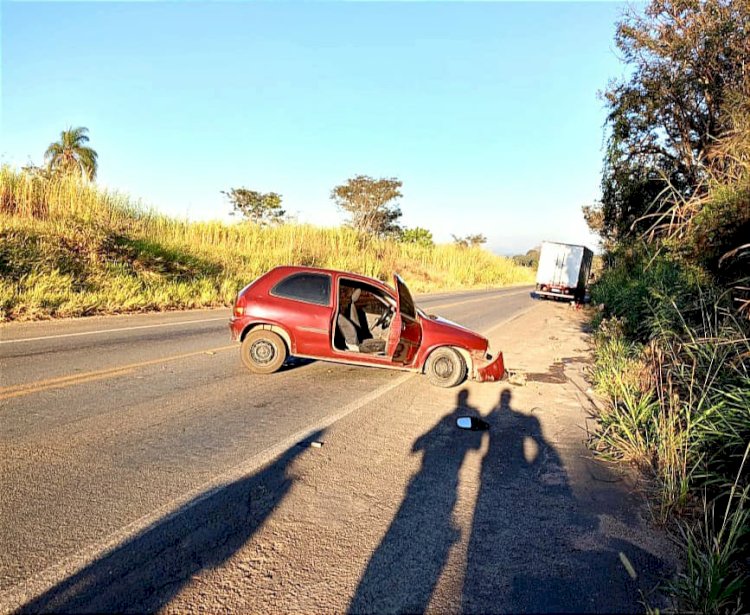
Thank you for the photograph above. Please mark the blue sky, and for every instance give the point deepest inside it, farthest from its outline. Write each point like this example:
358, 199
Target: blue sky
488, 112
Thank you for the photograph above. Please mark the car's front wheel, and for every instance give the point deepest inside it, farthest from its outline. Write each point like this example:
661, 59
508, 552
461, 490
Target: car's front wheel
445, 367
263, 352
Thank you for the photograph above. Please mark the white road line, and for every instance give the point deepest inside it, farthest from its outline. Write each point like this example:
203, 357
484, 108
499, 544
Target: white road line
164, 324
442, 306
505, 321
483, 293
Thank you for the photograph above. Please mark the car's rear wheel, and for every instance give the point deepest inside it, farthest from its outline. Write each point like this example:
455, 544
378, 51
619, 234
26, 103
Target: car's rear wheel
445, 367
263, 352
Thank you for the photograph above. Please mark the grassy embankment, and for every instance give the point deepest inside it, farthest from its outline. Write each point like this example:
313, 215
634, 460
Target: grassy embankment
70, 249
672, 357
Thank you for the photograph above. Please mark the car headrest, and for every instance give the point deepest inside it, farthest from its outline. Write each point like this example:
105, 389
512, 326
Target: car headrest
356, 294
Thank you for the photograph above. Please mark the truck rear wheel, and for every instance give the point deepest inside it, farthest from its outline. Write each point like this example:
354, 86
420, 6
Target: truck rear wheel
445, 367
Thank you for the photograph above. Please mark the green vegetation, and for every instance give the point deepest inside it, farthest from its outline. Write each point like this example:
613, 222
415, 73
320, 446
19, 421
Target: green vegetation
371, 204
257, 207
671, 356
673, 341
530, 259
68, 248
71, 154
470, 241
420, 236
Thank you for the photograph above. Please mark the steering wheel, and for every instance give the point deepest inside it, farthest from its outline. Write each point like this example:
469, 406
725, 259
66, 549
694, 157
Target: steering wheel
385, 319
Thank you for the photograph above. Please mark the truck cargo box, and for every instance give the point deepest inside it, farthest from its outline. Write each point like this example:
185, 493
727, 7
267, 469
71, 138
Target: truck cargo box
563, 270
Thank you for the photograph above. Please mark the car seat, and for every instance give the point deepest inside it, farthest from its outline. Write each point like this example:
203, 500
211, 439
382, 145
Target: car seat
355, 329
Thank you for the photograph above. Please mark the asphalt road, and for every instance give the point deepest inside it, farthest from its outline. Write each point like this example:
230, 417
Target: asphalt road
111, 424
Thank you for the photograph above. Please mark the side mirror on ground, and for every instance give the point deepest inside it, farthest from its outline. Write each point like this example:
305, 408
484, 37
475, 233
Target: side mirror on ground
471, 423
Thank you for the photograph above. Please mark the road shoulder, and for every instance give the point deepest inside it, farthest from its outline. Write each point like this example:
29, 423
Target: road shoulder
400, 511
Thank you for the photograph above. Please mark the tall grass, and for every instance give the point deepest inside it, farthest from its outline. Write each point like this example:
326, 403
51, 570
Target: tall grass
70, 248
713, 580
674, 365
680, 403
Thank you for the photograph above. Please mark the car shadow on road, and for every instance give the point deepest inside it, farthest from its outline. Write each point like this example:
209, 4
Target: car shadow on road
295, 363
147, 571
404, 569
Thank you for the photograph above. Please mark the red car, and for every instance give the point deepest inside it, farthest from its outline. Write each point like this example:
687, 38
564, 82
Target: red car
348, 318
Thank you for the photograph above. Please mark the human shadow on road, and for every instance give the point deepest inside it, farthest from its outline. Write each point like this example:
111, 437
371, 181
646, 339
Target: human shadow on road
146, 572
535, 546
404, 569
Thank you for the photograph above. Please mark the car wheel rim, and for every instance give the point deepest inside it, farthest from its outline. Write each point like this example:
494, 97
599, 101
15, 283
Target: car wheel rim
262, 352
444, 368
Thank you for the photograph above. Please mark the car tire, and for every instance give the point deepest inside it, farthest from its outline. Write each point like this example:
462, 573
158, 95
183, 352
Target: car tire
445, 367
263, 352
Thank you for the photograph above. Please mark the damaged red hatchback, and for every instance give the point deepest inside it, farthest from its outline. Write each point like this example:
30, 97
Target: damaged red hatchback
348, 318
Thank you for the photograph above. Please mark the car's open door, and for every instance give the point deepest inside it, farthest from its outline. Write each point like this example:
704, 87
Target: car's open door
405, 332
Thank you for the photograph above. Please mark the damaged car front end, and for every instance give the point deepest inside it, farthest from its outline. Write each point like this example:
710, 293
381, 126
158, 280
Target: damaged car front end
488, 368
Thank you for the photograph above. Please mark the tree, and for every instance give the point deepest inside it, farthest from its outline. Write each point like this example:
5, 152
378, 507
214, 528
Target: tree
688, 57
370, 203
71, 155
258, 207
470, 241
417, 235
530, 259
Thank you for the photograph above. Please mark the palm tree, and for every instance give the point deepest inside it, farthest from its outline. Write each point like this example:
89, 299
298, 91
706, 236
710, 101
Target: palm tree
71, 155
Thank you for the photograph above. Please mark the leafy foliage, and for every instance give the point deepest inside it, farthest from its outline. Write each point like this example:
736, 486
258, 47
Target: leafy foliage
71, 154
530, 259
417, 235
370, 204
688, 58
671, 358
258, 207
470, 241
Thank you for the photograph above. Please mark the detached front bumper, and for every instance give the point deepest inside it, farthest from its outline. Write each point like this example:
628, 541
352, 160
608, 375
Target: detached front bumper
488, 370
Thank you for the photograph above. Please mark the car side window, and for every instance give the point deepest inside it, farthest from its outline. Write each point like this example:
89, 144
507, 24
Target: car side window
307, 287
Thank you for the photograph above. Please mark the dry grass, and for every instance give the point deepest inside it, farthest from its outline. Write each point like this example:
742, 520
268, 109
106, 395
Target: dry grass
68, 248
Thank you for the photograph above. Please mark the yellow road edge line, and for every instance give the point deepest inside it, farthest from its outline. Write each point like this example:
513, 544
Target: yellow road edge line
62, 381
59, 385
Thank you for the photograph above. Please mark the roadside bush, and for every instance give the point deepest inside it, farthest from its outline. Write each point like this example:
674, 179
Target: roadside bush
672, 363
650, 291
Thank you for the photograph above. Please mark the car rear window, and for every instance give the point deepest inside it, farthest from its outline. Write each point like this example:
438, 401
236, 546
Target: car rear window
307, 287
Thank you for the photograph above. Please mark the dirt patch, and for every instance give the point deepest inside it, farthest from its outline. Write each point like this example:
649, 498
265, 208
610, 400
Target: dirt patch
554, 375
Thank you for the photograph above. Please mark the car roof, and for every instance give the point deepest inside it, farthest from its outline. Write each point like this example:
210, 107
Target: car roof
349, 274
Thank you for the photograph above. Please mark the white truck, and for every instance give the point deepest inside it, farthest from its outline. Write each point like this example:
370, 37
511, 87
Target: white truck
563, 270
